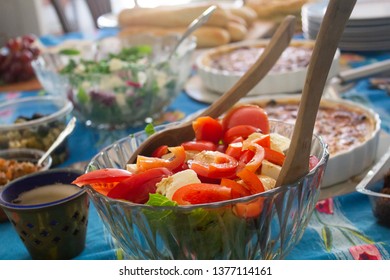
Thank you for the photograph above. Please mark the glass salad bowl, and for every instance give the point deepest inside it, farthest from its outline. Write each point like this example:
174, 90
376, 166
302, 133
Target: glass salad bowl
117, 82
212, 230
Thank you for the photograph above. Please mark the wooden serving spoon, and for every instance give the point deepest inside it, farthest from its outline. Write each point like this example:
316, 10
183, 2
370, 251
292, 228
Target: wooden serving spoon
296, 164
184, 132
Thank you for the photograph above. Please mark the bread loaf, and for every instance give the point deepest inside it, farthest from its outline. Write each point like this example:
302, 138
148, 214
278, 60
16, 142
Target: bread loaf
206, 36
247, 13
237, 31
170, 16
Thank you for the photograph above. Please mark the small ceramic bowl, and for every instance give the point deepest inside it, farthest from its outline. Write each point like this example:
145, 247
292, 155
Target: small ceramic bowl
49, 214
15, 163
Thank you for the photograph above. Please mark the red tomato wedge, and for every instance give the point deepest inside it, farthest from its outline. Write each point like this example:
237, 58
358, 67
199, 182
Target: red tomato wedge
102, 180
138, 187
177, 160
199, 145
238, 190
246, 115
199, 193
237, 131
251, 180
213, 164
207, 128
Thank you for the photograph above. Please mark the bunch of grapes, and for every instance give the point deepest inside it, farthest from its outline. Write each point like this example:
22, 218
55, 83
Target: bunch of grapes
15, 59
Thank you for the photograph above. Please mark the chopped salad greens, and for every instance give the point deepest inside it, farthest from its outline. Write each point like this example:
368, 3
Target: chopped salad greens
123, 88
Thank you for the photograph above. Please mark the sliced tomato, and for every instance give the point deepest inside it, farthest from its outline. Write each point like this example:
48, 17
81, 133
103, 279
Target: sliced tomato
274, 156
102, 180
237, 131
177, 160
213, 164
257, 158
199, 193
207, 128
199, 145
246, 115
313, 161
249, 209
160, 151
251, 180
238, 190
138, 187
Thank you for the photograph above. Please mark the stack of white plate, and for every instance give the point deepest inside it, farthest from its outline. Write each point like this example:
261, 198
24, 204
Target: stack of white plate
368, 28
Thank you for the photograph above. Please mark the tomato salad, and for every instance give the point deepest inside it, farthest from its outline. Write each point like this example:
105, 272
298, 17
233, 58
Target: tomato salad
232, 157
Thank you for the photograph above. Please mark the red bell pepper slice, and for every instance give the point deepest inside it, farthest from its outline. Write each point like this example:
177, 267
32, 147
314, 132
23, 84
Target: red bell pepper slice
251, 180
238, 190
177, 160
138, 187
102, 180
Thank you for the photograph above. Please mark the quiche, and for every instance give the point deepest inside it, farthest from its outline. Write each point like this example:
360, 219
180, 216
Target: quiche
220, 68
350, 130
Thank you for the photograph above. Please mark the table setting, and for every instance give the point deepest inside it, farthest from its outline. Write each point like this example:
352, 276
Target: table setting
124, 88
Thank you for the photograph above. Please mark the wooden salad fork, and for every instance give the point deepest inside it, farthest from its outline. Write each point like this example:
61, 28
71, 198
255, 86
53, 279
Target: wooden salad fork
296, 164
174, 136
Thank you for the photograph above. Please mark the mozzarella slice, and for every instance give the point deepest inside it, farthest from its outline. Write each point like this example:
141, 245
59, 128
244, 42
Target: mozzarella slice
168, 186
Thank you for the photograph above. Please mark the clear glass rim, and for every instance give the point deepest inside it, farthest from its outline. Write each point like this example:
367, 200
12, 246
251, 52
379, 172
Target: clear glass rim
66, 108
323, 160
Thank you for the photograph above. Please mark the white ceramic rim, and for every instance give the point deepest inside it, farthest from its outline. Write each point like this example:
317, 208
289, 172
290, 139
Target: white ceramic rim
221, 81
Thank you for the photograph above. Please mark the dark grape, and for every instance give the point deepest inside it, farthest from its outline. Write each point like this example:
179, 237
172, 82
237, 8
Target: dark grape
15, 59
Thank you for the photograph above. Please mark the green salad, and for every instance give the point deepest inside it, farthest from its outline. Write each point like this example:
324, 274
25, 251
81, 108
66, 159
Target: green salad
120, 89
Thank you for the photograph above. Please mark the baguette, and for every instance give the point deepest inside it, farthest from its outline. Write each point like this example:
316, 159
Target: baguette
237, 31
245, 12
170, 16
206, 36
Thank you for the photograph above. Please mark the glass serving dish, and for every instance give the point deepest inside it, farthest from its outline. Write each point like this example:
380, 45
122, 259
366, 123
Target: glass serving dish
117, 93
35, 123
209, 231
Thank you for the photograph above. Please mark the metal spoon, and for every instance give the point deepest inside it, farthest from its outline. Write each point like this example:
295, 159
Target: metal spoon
61, 137
195, 24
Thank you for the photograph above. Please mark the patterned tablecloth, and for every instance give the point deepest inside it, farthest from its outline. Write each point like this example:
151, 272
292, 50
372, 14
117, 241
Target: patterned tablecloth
342, 227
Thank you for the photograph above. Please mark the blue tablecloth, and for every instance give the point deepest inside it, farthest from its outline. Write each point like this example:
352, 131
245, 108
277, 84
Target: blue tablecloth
345, 220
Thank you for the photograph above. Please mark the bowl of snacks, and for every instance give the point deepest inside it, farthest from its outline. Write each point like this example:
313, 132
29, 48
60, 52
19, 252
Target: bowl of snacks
35, 123
118, 82
213, 197
15, 163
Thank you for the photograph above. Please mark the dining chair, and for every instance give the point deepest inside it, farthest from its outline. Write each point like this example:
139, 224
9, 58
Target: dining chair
98, 8
64, 21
